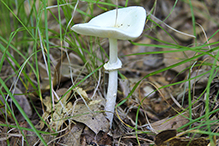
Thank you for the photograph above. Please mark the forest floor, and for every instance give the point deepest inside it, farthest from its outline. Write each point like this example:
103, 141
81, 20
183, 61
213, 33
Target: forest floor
167, 88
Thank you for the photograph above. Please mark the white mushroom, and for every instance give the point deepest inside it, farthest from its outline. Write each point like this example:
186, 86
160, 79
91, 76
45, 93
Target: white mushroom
127, 25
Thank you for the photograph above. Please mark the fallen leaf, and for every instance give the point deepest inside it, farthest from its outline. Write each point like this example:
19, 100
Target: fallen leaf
82, 93
56, 114
73, 136
169, 138
22, 101
176, 57
170, 123
164, 135
94, 119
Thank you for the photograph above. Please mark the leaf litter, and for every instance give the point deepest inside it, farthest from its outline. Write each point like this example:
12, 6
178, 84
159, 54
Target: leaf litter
73, 118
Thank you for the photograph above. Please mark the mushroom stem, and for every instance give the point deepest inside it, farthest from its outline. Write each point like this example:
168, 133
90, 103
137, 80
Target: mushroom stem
113, 64
113, 51
111, 95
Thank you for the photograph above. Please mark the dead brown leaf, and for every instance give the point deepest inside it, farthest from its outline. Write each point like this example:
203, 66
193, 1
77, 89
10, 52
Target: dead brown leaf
169, 138
170, 123
94, 119
22, 101
176, 57
73, 136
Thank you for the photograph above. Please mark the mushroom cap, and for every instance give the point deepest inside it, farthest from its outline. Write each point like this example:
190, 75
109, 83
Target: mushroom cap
128, 26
